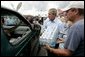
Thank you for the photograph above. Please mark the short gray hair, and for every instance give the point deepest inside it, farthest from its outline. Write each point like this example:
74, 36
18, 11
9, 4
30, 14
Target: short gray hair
53, 11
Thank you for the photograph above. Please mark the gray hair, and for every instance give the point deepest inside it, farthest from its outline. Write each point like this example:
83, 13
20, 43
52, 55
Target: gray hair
53, 11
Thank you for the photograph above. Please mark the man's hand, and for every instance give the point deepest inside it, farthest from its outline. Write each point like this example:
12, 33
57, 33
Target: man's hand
59, 52
47, 47
60, 40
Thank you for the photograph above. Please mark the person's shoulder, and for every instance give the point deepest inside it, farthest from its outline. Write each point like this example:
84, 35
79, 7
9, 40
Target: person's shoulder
59, 20
78, 24
46, 20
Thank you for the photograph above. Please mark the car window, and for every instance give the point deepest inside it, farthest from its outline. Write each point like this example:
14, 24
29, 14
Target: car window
15, 29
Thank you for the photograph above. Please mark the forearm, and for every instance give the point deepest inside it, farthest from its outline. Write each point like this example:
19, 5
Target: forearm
60, 52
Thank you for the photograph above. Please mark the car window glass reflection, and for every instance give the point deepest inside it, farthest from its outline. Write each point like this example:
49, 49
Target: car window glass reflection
15, 29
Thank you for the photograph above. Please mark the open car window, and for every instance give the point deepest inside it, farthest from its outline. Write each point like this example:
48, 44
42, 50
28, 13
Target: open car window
15, 29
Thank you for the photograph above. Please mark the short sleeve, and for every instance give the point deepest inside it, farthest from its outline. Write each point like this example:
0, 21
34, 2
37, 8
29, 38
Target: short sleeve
73, 39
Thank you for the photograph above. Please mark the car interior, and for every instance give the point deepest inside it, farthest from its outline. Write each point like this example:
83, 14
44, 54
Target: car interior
18, 37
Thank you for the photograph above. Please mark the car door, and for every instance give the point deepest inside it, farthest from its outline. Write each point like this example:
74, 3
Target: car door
18, 36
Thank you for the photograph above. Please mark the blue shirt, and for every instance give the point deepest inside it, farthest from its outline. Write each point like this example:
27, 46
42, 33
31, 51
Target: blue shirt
75, 38
48, 26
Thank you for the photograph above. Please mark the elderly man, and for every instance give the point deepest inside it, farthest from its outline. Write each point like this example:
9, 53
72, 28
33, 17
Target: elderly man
74, 45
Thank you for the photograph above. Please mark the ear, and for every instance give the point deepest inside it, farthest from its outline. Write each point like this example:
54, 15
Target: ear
76, 11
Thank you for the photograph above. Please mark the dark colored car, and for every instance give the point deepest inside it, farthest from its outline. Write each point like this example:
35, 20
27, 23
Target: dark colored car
18, 36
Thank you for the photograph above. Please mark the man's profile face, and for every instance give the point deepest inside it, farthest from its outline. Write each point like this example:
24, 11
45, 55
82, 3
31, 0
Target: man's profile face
70, 15
51, 16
